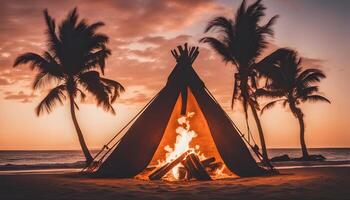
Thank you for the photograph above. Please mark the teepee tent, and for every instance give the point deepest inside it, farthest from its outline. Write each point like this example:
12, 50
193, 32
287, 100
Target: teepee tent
138, 147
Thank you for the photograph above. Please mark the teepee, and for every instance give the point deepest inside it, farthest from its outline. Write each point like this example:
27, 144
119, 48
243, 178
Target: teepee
184, 91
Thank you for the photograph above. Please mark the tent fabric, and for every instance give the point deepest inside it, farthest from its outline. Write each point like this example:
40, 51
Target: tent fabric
228, 142
137, 148
203, 139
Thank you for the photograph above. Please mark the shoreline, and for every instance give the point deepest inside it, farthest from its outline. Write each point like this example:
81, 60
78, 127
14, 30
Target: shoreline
77, 170
303, 183
76, 166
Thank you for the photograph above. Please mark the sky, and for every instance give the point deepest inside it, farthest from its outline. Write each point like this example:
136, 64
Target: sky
142, 33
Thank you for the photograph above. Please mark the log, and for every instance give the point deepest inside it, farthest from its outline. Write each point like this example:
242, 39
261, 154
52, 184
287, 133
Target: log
159, 173
214, 166
201, 173
208, 161
150, 168
182, 173
190, 168
155, 173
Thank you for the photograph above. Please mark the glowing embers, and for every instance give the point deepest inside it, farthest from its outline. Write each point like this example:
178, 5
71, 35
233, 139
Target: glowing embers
183, 162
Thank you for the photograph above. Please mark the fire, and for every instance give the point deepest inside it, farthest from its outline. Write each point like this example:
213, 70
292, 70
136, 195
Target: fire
182, 143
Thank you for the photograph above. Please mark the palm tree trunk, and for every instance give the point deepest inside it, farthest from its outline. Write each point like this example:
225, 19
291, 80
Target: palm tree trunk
83, 145
302, 136
261, 135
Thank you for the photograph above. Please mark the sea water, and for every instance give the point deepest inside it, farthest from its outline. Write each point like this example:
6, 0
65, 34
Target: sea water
43, 159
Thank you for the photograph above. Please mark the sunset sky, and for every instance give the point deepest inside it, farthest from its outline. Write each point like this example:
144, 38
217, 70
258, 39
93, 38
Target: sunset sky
142, 33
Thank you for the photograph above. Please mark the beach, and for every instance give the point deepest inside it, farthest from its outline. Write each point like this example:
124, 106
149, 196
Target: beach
326, 182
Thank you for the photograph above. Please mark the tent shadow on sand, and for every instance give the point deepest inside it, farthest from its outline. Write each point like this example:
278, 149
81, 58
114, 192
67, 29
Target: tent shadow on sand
183, 91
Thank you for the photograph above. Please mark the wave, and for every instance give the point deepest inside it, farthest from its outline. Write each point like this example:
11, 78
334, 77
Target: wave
74, 165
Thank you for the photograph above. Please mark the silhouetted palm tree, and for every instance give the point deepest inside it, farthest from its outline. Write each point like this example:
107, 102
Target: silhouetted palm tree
292, 87
241, 41
74, 51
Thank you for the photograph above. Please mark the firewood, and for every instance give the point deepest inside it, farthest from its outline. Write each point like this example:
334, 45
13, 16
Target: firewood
201, 173
196, 170
208, 161
159, 173
191, 169
188, 170
150, 168
214, 166
182, 173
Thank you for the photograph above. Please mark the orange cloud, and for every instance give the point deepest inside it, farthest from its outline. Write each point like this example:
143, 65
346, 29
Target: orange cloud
20, 96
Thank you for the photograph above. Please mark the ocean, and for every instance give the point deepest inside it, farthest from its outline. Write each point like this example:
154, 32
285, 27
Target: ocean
42, 159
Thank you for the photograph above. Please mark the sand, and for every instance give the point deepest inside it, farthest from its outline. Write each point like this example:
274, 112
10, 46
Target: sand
305, 183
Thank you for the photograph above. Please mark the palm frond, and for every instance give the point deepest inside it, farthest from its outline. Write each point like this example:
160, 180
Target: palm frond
117, 88
82, 95
49, 70
96, 59
261, 92
56, 95
220, 47
269, 66
241, 10
270, 105
306, 91
46, 63
39, 81
310, 76
34, 59
53, 41
316, 98
42, 79
92, 82
93, 27
267, 28
98, 41
222, 24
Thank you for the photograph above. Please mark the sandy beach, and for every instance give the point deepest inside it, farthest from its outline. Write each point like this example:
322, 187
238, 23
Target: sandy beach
304, 183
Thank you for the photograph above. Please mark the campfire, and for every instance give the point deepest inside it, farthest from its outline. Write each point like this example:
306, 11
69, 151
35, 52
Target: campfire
161, 143
185, 162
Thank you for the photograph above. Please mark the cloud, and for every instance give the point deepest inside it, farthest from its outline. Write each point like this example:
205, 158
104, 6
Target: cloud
20, 96
142, 33
312, 63
140, 18
4, 81
136, 98
5, 54
131, 25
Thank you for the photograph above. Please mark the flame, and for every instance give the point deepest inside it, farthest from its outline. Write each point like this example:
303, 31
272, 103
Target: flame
182, 143
220, 172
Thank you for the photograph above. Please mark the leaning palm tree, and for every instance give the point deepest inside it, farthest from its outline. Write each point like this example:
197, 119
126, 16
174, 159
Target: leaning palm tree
240, 42
73, 52
293, 86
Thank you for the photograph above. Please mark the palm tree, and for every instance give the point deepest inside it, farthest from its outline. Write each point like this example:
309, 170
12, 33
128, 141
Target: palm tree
293, 86
240, 41
74, 51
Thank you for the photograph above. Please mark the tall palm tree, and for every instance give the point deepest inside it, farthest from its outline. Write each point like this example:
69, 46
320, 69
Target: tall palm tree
293, 86
73, 52
240, 41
